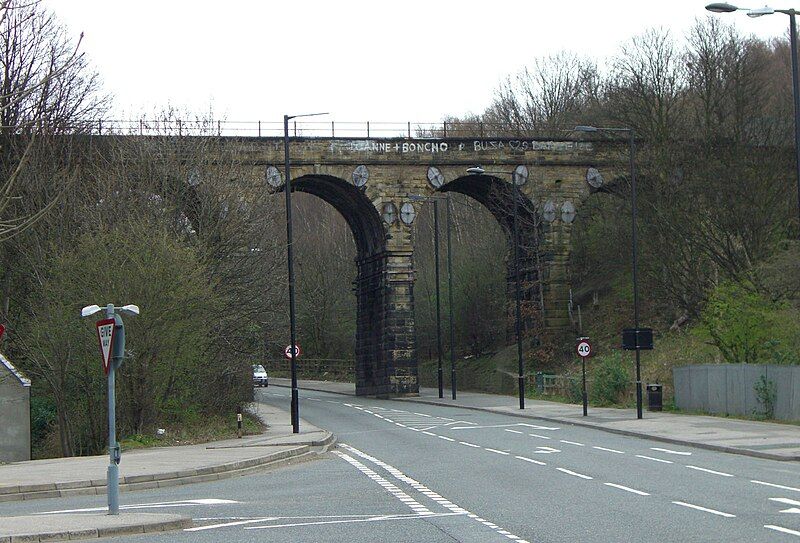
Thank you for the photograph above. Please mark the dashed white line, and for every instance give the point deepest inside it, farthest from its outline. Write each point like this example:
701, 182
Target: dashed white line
470, 444
446, 438
576, 474
571, 442
655, 459
428, 433
705, 509
513, 431
710, 471
608, 450
670, 451
781, 529
531, 460
495, 451
787, 501
539, 436
421, 414
627, 489
776, 486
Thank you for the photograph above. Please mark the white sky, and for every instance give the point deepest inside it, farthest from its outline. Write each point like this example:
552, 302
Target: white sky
375, 60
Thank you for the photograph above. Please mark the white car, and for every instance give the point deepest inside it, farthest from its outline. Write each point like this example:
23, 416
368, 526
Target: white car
260, 377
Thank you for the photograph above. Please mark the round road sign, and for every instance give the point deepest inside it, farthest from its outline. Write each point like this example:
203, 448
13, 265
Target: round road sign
584, 349
288, 351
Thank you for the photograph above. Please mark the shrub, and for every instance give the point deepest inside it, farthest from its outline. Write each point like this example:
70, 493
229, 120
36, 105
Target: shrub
610, 379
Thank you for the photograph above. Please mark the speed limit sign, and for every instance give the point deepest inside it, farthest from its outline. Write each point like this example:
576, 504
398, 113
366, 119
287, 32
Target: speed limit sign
584, 348
287, 352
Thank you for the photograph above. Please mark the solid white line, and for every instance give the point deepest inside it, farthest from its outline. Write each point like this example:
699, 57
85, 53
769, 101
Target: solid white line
446, 438
710, 471
568, 472
470, 444
571, 442
537, 435
227, 524
776, 486
531, 460
782, 529
627, 489
654, 459
707, 510
670, 451
513, 431
371, 519
608, 450
421, 414
496, 451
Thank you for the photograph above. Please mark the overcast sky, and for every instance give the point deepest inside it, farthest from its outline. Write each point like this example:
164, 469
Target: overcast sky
375, 60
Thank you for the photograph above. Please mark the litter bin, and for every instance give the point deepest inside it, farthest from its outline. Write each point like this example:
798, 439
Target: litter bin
655, 396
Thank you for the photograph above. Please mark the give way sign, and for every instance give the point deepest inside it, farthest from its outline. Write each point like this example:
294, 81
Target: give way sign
105, 336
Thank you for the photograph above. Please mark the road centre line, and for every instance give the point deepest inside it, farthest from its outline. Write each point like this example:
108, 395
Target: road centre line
705, 509
655, 459
781, 529
428, 433
627, 489
495, 451
710, 471
571, 442
539, 436
446, 438
607, 450
670, 451
787, 501
776, 486
531, 460
576, 474
428, 492
470, 444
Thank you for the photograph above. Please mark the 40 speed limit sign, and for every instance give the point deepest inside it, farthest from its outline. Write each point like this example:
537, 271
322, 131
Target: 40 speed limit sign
584, 348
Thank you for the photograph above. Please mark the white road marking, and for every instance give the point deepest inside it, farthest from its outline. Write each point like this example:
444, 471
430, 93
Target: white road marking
710, 471
546, 450
655, 459
496, 451
227, 524
571, 442
476, 427
428, 492
378, 518
782, 529
470, 444
428, 433
608, 450
513, 431
539, 436
787, 501
627, 489
670, 451
776, 486
153, 505
705, 509
446, 438
576, 474
531, 460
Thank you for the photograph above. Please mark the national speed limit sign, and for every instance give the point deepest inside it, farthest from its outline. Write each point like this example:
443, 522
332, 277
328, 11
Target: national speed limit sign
584, 348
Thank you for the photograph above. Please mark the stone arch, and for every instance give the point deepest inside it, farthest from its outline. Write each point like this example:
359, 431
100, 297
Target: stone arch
372, 357
497, 196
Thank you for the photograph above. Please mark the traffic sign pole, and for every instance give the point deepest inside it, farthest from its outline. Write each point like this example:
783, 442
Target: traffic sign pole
584, 350
117, 347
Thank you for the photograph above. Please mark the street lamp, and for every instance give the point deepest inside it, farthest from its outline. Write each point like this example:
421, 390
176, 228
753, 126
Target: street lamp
477, 170
440, 373
721, 7
634, 248
290, 263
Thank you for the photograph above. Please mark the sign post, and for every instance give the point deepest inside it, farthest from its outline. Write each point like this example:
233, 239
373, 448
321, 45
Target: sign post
584, 350
111, 339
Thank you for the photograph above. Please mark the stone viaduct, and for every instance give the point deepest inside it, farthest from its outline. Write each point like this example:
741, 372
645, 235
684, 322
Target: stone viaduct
378, 186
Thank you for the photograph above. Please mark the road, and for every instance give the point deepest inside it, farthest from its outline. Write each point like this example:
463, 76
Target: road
413, 472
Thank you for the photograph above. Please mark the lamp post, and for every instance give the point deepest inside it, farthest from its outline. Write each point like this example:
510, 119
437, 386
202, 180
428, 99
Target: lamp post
721, 7
634, 245
477, 170
295, 411
440, 371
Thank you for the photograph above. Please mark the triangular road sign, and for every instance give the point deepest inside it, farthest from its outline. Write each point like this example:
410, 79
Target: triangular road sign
105, 336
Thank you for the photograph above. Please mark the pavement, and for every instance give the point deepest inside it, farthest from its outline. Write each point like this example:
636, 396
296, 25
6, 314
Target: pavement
767, 440
142, 469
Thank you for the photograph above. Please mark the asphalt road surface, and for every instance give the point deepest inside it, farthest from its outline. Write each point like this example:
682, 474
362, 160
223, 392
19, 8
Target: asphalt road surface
411, 472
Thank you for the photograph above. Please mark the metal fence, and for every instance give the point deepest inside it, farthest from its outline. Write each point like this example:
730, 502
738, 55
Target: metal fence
732, 389
329, 129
